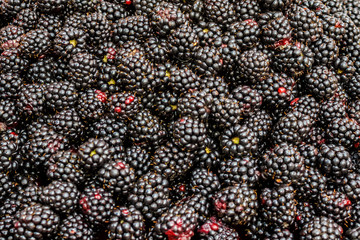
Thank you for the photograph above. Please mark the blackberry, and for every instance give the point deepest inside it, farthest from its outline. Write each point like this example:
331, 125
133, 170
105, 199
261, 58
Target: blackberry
236, 205
353, 110
221, 12
60, 96
10, 36
97, 27
130, 29
150, 195
254, 66
144, 7
249, 99
351, 185
96, 205
209, 155
35, 222
124, 105
275, 5
230, 53
138, 158
226, 111
310, 153
69, 41
166, 17
334, 160
239, 170
352, 233
277, 90
31, 100
246, 33
157, 49
7, 228
322, 82
27, 19
260, 122
305, 24
351, 35
306, 212
51, 6
9, 114
279, 205
354, 86
183, 41
92, 104
275, 29
246, 9
146, 128
52, 23
6, 186
207, 32
207, 61
306, 105
65, 166
108, 80
183, 79
83, 70
199, 203
214, 229
295, 59
116, 177
109, 129
61, 196
171, 161
8, 158
321, 228
204, 182
344, 68
11, 61
35, 43
178, 222
333, 27
331, 109
67, 123
325, 50
256, 228
196, 104
284, 164
126, 223
113, 11
42, 71
292, 128
311, 184
83, 6
75, 227
94, 154
343, 131
280, 233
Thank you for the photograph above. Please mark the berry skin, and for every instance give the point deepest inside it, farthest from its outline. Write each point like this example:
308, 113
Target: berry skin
75, 227
94, 153
214, 229
321, 228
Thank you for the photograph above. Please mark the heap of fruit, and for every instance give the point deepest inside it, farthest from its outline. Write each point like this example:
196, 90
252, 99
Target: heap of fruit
180, 119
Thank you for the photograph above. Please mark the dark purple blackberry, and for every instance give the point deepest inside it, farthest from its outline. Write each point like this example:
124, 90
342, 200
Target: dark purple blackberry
214, 229
352, 234
275, 5
322, 82
256, 229
61, 196
350, 185
138, 158
50, 22
277, 90
344, 68
333, 27
83, 5
279, 205
325, 50
183, 41
207, 61
31, 100
126, 222
27, 19
67, 123
116, 177
196, 104
310, 153
35, 43
65, 166
311, 183
74, 227
51, 6
112, 10
335, 205
249, 99
97, 27
157, 49
280, 234
353, 88
207, 32
322, 228
292, 128
239, 170
92, 104
124, 105
236, 205
70, 41
42, 71
230, 53
109, 129
260, 122
221, 12
226, 111
108, 80
306, 105
131, 28
332, 108
199, 203
8, 156
10, 36
254, 66
11, 61
352, 32
35, 221
165, 104
74, 20
144, 7
96, 205
6, 227
306, 212
83, 70
204, 182
6, 186
165, 17
334, 160
209, 155
275, 29
150, 195
246, 9
353, 110
145, 128
9, 114
94, 154
183, 79
344, 131
246, 33
61, 95
178, 222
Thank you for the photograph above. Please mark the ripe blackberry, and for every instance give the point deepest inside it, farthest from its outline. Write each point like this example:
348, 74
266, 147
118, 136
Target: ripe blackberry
246, 9
42, 71
260, 122
352, 32
92, 104
199, 203
138, 158
113, 11
343, 131
306, 105
178, 222
322, 82
35, 43
27, 19
311, 183
126, 222
35, 222
146, 128
352, 234
150, 195
94, 153
157, 49
239, 170
321, 228
310, 152
108, 80
9, 114
333, 27
75, 227
166, 17
249, 99
294, 59
226, 111
238, 141
60, 96
31, 100
350, 185
171, 162
353, 110
334, 160
204, 182
65, 166
183, 79
67, 123
116, 176
254, 66
246, 33
183, 41
306, 212
209, 155
256, 229
131, 28
69, 41
96, 205
83, 70
279, 205
51, 6
124, 105
325, 50
6, 186
8, 156
10, 36
207, 32
279, 234
220, 12
277, 90
207, 61
97, 27
331, 109
344, 68
230, 53
196, 104
144, 7
83, 6
236, 205
275, 29
11, 61
214, 229
50, 22
353, 88
61, 196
